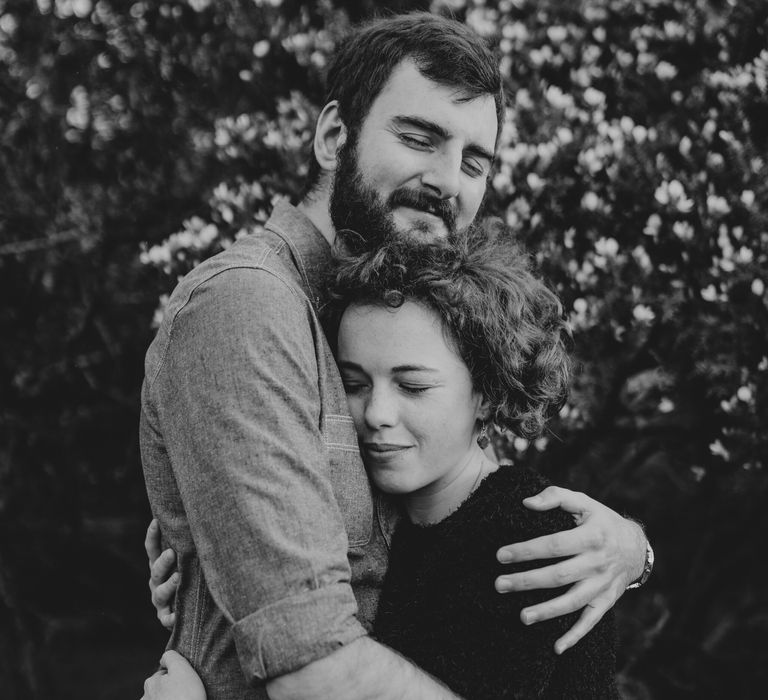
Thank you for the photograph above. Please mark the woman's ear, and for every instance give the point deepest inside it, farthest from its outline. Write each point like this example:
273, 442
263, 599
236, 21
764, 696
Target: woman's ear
483, 409
330, 136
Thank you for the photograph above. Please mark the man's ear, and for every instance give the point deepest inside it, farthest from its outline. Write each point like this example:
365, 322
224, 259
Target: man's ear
330, 136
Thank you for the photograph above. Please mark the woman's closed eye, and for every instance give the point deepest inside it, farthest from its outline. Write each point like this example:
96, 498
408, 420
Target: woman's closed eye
353, 387
415, 389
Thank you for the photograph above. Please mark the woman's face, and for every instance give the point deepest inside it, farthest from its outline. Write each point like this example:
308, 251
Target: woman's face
410, 396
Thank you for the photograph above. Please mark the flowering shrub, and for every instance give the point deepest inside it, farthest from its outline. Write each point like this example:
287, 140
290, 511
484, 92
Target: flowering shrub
632, 162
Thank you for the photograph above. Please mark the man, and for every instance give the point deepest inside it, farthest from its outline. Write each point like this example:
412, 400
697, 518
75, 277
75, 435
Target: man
249, 453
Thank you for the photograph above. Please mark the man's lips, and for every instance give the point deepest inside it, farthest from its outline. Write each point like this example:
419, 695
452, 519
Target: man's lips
425, 210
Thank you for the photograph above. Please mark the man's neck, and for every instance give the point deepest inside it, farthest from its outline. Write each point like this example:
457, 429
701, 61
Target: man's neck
316, 208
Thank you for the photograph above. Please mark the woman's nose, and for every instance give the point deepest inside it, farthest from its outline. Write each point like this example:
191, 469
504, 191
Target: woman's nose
380, 409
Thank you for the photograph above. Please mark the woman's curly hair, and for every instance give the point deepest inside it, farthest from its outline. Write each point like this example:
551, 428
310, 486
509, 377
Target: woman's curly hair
505, 324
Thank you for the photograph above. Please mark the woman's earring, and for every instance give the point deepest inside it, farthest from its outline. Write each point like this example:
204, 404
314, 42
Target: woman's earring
483, 438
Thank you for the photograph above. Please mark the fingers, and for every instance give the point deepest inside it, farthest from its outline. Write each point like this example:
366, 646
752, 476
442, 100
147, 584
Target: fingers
152, 685
162, 568
163, 598
559, 544
558, 497
152, 541
555, 576
590, 616
172, 660
163, 583
574, 599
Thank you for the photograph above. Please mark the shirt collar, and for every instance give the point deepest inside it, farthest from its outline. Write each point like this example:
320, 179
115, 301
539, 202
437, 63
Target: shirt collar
311, 251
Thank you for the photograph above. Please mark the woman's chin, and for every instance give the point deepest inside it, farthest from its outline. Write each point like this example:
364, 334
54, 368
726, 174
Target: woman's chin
393, 486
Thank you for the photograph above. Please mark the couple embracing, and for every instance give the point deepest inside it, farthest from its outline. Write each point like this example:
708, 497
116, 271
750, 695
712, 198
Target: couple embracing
315, 414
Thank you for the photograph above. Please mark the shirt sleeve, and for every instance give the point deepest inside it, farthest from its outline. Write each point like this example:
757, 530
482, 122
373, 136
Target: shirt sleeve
239, 406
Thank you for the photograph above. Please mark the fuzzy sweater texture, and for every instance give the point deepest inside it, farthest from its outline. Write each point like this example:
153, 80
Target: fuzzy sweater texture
439, 606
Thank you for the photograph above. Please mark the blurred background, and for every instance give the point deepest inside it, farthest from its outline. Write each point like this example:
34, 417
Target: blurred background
138, 138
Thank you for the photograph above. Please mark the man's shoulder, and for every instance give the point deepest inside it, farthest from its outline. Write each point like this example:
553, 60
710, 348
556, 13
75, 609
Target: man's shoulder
256, 267
260, 253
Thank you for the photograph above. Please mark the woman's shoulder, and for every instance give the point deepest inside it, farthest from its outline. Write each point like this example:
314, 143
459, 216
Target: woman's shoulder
502, 497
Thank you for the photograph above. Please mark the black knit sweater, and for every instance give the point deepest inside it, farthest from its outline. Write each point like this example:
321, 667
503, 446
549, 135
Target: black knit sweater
440, 609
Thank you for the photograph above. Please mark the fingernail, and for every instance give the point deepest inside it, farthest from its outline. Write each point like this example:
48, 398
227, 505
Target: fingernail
533, 499
560, 647
527, 617
502, 586
505, 557
175, 578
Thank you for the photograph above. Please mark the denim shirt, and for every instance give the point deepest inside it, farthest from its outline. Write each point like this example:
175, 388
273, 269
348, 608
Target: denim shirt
252, 466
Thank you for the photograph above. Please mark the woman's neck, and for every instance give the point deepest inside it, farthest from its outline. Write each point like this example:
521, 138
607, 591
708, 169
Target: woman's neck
432, 506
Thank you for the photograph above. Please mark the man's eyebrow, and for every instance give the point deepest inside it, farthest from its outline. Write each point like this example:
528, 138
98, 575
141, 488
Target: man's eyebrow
440, 132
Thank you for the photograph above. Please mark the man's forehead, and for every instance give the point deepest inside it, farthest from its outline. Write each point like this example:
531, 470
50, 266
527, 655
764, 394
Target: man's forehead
408, 93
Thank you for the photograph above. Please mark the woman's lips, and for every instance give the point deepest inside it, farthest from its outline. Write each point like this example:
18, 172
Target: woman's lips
384, 447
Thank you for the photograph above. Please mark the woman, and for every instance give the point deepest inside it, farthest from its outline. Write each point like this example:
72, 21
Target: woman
434, 343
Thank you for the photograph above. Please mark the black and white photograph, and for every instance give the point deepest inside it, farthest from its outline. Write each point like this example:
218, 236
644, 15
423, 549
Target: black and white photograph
383, 350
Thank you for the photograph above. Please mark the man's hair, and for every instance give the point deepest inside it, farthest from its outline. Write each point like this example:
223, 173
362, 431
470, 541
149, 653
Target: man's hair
504, 323
444, 50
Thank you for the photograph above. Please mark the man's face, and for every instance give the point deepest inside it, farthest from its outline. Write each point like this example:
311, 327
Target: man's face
418, 166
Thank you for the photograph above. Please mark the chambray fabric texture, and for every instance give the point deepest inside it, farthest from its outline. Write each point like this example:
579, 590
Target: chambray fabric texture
252, 467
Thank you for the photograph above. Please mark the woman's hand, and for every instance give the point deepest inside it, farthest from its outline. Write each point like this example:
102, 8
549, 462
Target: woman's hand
163, 577
176, 680
605, 551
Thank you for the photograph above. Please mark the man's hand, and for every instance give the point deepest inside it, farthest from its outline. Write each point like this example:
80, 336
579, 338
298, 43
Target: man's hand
606, 553
163, 577
176, 680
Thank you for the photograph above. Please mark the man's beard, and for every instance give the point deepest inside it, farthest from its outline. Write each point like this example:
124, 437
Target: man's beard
364, 221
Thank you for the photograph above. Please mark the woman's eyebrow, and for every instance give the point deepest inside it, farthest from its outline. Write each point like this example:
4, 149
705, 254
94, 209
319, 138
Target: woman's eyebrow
344, 364
414, 368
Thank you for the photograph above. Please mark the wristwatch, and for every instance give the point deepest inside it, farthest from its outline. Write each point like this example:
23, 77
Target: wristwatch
647, 568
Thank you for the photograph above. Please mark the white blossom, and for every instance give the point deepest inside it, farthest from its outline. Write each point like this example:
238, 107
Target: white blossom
665, 71
666, 405
521, 444
261, 48
643, 313
717, 449
557, 34
607, 247
594, 97
717, 205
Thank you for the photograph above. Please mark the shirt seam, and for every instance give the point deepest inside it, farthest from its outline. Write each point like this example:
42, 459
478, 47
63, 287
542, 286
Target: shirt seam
185, 303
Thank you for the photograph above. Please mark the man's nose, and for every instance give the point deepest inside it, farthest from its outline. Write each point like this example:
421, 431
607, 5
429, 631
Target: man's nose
443, 175
380, 409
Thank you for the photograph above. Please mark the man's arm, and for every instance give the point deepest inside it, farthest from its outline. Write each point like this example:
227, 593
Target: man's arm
362, 670
236, 398
605, 553
358, 671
